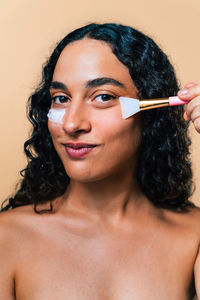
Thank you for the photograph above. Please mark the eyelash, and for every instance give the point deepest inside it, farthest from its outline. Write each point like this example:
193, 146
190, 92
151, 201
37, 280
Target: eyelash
107, 96
59, 97
54, 99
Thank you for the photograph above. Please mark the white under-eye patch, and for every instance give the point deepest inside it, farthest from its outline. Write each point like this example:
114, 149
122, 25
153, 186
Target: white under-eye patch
56, 115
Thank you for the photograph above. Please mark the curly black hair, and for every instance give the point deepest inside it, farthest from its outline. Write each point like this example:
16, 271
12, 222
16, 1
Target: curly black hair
164, 167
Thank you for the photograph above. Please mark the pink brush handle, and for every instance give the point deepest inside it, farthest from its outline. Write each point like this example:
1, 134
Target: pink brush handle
176, 101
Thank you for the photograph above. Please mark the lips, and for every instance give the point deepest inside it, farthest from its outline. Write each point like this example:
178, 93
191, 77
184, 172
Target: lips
79, 145
78, 150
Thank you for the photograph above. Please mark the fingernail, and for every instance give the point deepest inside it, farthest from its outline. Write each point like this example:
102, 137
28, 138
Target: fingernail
183, 92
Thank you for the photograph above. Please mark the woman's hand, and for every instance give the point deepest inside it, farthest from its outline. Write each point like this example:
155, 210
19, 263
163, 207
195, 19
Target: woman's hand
191, 93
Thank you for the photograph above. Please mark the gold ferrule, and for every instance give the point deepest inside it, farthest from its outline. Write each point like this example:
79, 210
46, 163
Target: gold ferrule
153, 103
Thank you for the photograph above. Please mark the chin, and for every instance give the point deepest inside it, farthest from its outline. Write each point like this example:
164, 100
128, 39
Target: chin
84, 175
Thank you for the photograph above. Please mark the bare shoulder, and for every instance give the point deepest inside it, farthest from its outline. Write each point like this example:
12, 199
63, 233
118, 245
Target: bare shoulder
189, 217
12, 222
14, 216
19, 221
23, 226
11, 244
194, 216
186, 222
20, 229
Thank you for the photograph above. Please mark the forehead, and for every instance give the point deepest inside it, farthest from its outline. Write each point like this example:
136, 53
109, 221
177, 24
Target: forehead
87, 59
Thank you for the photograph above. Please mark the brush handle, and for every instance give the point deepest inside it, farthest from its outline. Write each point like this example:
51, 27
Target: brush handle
131, 106
176, 101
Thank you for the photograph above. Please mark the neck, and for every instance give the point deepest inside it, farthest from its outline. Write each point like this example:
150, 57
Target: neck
109, 198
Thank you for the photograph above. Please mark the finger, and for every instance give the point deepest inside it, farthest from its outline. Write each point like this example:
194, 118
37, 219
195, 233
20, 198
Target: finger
189, 84
197, 124
195, 113
191, 106
185, 116
189, 93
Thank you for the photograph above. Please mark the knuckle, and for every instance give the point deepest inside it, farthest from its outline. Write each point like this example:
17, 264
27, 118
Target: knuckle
195, 113
196, 90
193, 104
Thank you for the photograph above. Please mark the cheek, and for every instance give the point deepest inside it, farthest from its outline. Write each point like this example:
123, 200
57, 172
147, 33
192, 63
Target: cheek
121, 136
55, 129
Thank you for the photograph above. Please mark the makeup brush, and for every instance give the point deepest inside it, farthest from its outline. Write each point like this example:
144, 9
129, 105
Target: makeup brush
131, 106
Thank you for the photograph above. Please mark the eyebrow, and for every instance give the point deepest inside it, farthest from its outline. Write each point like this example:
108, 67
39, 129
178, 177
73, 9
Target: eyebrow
103, 80
89, 84
57, 85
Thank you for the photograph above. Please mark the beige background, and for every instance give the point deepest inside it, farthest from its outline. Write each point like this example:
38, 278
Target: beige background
29, 31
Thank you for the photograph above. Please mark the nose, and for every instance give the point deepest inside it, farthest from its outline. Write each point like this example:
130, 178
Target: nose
76, 119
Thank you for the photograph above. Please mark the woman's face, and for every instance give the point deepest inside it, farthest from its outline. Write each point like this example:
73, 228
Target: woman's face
87, 82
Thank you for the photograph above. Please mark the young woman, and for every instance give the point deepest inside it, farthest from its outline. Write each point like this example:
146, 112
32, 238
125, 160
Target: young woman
103, 210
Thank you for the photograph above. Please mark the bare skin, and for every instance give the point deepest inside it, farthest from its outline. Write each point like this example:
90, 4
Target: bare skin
104, 240
147, 254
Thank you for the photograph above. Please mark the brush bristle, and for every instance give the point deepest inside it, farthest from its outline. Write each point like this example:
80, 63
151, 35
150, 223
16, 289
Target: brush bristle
129, 106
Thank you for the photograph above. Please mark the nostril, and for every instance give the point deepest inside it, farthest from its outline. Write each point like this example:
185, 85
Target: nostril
76, 125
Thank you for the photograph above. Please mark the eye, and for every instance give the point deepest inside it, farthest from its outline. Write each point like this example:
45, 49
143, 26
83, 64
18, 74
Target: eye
59, 99
105, 98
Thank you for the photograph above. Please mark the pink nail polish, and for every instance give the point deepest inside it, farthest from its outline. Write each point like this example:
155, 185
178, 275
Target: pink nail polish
183, 92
